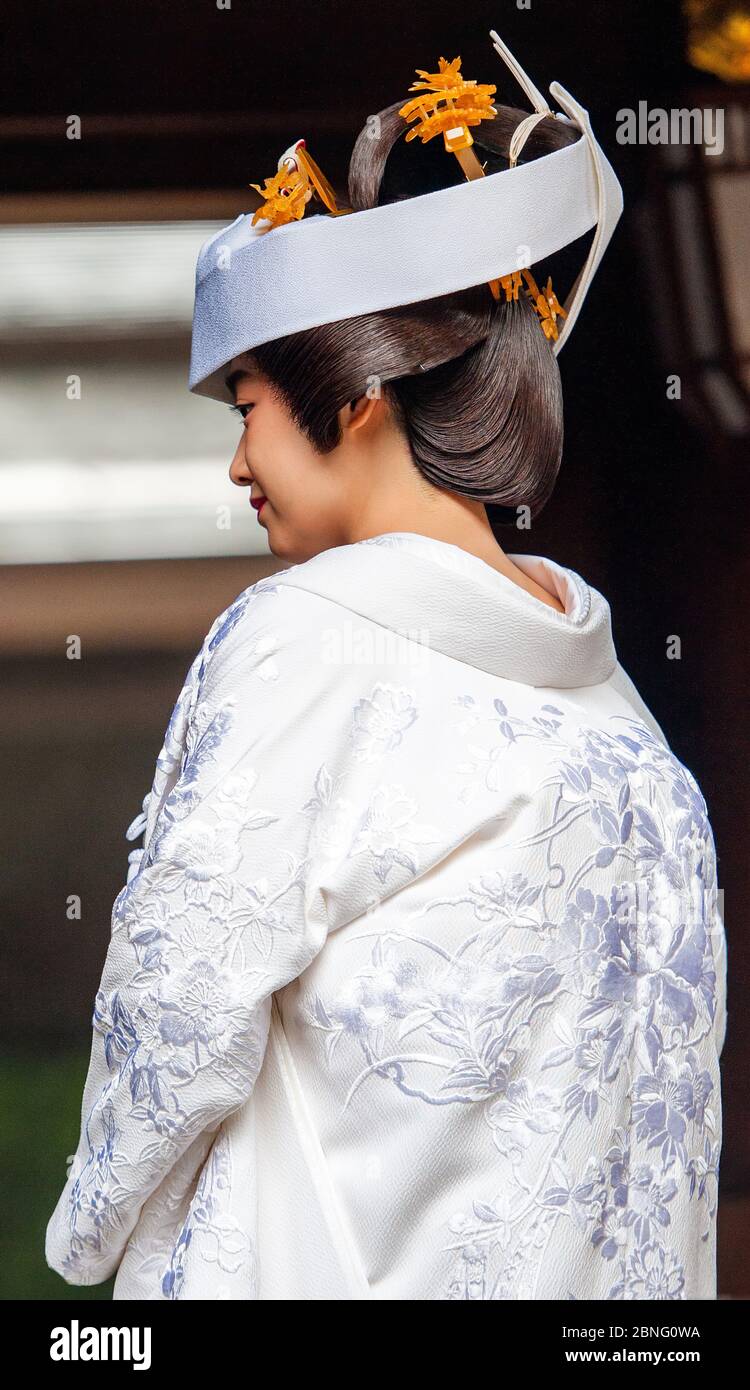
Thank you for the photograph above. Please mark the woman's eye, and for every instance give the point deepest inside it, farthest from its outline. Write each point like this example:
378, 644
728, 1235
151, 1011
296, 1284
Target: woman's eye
242, 409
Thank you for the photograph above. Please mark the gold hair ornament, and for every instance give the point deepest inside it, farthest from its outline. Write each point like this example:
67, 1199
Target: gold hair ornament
289, 191
449, 104
545, 302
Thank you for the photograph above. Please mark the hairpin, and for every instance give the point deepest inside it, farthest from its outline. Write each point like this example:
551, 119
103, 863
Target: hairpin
289, 191
448, 106
546, 303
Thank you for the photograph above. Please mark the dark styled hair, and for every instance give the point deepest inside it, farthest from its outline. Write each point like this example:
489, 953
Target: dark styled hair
473, 383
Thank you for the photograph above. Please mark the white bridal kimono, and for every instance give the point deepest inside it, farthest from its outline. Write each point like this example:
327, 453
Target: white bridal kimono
417, 987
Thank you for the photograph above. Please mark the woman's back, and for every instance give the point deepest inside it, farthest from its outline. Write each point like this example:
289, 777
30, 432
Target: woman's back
418, 991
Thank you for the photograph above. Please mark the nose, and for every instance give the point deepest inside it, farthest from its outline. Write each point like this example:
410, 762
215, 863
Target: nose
238, 468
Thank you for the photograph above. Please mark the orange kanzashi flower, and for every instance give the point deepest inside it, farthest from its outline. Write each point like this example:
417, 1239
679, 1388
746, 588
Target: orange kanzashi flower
511, 284
290, 190
449, 105
286, 195
547, 304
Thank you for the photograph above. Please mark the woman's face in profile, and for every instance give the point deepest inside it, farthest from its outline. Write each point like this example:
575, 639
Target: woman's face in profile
303, 500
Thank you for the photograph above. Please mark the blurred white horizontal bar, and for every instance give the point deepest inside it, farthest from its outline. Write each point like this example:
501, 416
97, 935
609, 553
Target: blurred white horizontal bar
58, 511
111, 278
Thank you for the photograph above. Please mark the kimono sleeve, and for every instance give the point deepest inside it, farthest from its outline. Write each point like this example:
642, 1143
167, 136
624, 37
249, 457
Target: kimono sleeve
216, 919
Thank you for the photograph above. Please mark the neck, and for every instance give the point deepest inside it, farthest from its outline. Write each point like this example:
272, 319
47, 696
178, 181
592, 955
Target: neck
389, 493
445, 516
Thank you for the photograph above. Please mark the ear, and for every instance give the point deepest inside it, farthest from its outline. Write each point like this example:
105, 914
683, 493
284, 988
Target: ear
358, 412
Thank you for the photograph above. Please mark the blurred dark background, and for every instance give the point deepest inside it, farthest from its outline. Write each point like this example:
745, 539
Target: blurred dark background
108, 528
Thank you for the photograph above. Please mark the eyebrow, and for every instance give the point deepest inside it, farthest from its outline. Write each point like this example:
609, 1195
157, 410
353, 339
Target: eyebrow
231, 381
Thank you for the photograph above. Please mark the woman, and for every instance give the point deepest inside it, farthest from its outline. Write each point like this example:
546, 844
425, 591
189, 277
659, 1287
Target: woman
416, 989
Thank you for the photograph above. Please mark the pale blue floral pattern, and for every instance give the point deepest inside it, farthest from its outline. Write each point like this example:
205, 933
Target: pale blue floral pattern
636, 969
488, 913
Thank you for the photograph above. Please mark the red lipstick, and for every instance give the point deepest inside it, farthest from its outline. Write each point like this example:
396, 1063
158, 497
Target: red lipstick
257, 502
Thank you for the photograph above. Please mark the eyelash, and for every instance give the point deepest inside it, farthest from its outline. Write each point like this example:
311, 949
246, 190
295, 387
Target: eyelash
239, 409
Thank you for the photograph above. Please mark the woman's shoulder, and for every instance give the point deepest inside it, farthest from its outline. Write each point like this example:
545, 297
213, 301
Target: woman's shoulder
269, 616
289, 593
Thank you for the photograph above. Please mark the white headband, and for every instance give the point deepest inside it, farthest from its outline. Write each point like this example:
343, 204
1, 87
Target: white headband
255, 284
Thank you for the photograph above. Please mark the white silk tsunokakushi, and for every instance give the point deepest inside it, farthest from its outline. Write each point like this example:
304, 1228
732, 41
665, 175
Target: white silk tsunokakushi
417, 986
256, 283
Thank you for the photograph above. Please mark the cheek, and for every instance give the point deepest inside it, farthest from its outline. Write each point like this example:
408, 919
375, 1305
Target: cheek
303, 487
288, 466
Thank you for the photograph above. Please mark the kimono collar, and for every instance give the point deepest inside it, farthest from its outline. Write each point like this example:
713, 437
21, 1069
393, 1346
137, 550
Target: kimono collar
435, 592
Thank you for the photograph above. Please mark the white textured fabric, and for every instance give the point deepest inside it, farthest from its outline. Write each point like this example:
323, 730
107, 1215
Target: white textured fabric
255, 284
417, 987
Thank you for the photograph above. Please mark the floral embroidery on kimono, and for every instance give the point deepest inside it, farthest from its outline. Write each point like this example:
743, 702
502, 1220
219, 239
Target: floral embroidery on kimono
417, 986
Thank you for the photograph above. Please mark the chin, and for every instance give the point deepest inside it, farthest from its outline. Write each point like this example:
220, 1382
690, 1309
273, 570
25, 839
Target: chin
282, 549
293, 545
293, 552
